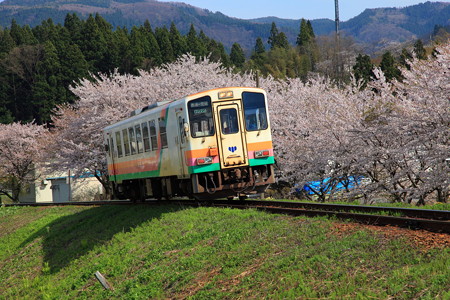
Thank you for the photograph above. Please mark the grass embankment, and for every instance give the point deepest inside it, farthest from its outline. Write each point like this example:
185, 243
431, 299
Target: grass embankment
203, 253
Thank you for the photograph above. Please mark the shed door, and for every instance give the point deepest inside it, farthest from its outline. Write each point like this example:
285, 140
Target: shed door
230, 133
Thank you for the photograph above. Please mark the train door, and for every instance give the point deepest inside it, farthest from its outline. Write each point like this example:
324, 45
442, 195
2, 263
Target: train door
182, 144
231, 137
111, 152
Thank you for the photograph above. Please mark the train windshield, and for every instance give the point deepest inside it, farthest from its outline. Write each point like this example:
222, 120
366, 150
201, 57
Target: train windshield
200, 117
254, 111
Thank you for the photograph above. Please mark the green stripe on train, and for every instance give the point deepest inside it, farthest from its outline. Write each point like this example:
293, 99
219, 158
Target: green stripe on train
262, 161
138, 175
204, 168
216, 167
191, 169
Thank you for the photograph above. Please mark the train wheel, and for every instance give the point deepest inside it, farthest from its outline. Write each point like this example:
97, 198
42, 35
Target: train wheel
243, 197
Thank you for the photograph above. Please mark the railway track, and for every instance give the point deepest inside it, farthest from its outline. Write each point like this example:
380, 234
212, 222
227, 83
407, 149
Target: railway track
430, 220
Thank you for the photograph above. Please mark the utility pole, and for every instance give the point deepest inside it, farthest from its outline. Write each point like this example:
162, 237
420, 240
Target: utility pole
336, 14
338, 67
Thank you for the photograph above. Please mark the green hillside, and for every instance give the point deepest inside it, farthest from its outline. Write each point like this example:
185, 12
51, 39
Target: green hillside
148, 252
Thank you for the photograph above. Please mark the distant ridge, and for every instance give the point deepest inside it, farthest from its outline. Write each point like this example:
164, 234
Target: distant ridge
375, 27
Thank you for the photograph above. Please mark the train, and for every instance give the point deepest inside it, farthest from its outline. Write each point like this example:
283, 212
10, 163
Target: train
209, 145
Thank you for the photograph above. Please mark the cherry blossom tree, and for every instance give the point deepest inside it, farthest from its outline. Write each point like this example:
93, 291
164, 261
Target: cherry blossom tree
392, 134
20, 150
407, 132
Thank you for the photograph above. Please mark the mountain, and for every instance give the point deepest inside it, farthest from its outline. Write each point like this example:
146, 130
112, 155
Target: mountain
374, 27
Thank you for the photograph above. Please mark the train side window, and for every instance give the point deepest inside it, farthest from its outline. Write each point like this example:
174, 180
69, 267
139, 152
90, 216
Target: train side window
153, 136
162, 132
254, 111
146, 137
126, 142
139, 143
111, 146
119, 144
132, 137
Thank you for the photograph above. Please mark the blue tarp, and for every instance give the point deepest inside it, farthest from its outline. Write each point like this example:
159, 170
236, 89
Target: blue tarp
324, 185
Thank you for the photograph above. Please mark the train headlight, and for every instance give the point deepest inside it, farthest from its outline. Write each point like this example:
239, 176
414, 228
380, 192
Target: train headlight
225, 95
204, 160
262, 153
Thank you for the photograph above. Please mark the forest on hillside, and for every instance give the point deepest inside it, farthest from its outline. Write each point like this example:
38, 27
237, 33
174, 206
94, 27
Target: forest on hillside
39, 65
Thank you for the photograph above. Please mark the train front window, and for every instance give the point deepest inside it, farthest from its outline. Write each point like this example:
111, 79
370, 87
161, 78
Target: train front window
200, 117
254, 111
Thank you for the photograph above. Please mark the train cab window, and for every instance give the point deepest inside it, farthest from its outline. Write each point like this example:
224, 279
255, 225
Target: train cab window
200, 117
139, 143
254, 111
229, 121
132, 137
119, 144
146, 137
126, 142
162, 132
153, 137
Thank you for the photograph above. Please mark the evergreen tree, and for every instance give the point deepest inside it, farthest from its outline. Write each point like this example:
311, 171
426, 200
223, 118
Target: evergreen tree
194, 45
419, 50
259, 47
217, 53
47, 90
177, 41
405, 56
6, 42
273, 37
310, 30
93, 45
73, 66
277, 39
136, 54
74, 25
124, 50
163, 38
152, 55
109, 59
389, 68
47, 31
363, 69
237, 56
6, 92
258, 53
307, 45
22, 35
282, 41
304, 37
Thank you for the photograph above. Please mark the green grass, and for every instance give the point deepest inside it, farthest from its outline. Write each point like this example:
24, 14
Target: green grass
433, 206
164, 252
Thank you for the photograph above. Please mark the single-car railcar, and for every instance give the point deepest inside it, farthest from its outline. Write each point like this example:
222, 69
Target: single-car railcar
212, 144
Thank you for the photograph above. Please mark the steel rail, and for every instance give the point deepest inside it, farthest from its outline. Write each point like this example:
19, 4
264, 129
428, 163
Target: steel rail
368, 219
406, 212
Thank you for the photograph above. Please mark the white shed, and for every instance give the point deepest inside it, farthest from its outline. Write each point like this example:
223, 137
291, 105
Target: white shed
62, 188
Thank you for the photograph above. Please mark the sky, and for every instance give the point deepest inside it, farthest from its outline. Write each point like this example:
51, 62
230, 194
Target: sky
295, 9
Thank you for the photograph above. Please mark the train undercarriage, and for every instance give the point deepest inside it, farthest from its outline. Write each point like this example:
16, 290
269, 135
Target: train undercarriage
227, 183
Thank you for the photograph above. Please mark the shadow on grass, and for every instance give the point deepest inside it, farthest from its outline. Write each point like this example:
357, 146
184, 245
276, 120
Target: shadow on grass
70, 237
